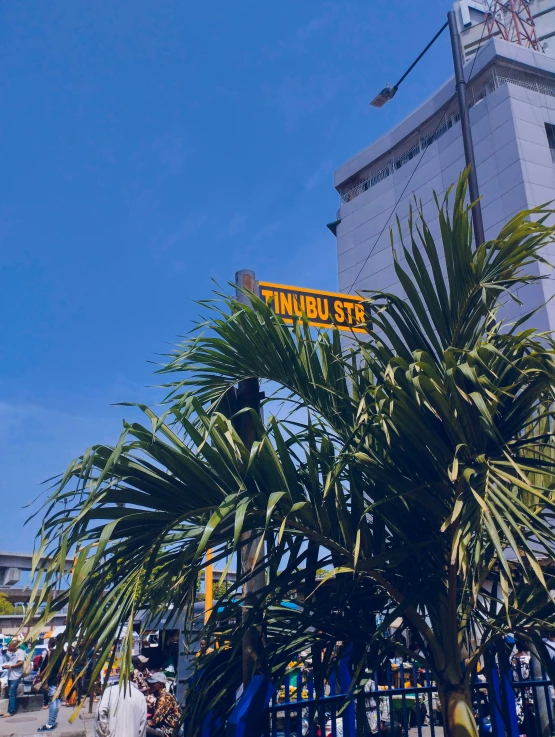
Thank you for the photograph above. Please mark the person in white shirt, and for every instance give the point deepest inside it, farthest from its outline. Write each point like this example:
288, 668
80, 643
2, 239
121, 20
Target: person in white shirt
15, 657
121, 712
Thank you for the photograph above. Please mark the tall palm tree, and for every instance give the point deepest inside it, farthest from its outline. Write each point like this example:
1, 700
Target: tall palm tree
417, 462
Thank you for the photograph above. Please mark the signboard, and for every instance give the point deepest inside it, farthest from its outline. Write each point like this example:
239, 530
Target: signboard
323, 309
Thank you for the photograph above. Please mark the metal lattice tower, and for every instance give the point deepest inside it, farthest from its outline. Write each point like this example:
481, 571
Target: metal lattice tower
513, 20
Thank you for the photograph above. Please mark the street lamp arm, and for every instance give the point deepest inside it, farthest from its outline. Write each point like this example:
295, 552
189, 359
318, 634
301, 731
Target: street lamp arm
389, 92
415, 62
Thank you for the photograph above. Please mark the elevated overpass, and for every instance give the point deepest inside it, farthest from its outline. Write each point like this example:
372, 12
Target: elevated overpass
10, 624
12, 564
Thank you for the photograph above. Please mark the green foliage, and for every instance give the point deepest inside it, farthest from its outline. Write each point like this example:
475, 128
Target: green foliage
6, 607
218, 591
414, 467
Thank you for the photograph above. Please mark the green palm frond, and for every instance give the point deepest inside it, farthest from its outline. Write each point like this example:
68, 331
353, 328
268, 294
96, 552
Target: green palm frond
415, 465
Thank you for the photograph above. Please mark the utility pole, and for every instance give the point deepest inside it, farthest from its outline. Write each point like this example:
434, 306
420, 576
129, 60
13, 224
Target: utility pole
208, 587
248, 396
460, 83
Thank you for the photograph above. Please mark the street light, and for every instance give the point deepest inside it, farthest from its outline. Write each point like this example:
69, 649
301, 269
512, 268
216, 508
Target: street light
385, 95
389, 92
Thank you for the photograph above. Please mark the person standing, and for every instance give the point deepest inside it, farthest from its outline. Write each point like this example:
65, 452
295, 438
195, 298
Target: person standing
15, 657
166, 712
38, 660
53, 681
371, 706
121, 712
140, 673
203, 648
524, 698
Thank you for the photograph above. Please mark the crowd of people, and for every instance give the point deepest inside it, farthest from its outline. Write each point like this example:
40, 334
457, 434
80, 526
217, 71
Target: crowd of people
143, 706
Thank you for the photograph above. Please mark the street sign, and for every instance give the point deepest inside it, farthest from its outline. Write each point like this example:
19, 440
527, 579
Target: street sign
323, 309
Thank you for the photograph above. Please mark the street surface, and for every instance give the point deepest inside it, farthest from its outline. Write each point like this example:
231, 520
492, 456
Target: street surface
26, 724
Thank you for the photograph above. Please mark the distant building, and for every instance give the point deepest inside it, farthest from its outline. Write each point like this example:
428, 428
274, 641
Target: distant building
511, 95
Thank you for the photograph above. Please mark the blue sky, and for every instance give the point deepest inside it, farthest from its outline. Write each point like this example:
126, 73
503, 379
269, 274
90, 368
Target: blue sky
147, 147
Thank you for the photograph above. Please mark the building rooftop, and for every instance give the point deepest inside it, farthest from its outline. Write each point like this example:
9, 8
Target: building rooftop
492, 52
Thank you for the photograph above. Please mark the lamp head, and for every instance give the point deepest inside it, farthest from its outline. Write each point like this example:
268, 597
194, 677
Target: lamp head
385, 95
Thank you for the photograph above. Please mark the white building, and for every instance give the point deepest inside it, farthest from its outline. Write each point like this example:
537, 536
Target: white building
511, 94
471, 15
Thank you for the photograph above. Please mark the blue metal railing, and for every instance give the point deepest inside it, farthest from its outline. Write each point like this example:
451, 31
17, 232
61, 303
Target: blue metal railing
502, 706
295, 714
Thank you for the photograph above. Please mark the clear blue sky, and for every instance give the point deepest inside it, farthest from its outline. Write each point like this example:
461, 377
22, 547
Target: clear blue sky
148, 146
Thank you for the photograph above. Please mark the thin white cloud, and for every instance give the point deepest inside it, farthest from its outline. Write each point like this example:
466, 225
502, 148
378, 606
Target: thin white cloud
319, 176
192, 225
328, 16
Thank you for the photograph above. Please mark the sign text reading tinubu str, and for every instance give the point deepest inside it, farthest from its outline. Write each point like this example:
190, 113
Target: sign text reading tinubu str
323, 309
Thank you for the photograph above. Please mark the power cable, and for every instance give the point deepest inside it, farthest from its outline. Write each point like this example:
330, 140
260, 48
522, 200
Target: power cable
396, 204
484, 24
421, 156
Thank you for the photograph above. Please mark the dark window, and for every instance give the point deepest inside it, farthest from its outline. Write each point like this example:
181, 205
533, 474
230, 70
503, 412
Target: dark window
550, 130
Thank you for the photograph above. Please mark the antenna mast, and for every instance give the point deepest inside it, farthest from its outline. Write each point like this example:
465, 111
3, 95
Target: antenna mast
513, 21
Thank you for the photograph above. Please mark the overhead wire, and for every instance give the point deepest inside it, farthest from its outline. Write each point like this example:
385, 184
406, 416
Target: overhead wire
419, 160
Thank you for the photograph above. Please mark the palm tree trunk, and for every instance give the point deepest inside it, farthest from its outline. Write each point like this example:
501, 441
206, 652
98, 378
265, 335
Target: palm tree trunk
456, 704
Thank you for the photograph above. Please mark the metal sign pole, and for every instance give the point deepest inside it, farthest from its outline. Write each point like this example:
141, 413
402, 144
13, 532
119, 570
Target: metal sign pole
208, 587
460, 83
248, 395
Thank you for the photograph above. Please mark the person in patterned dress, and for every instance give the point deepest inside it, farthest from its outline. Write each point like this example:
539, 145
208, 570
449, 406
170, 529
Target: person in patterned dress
166, 712
140, 673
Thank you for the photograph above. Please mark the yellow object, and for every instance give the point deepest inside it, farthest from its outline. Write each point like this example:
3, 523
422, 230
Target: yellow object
292, 693
208, 650
70, 698
208, 587
321, 309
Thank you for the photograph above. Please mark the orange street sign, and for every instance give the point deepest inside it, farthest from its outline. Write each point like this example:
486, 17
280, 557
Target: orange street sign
323, 309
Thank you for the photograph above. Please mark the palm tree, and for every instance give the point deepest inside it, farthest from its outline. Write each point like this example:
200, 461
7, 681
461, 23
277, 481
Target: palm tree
416, 464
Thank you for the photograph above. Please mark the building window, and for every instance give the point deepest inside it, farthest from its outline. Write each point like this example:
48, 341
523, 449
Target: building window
550, 130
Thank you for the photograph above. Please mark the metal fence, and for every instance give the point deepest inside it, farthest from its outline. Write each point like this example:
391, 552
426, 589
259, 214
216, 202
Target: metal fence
402, 702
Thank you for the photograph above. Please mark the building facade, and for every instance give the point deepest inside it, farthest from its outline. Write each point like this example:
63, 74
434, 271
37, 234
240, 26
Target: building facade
511, 95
